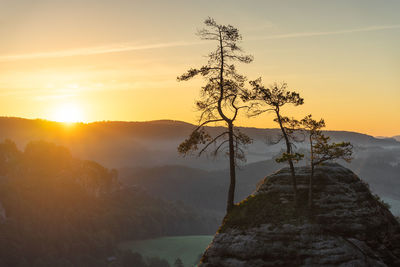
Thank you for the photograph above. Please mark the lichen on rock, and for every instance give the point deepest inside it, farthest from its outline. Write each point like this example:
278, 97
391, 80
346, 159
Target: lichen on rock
348, 225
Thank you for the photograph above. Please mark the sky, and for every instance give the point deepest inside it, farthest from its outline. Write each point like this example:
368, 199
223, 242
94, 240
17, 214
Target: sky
95, 60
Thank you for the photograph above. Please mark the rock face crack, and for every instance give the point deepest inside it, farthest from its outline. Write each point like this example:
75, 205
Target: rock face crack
349, 226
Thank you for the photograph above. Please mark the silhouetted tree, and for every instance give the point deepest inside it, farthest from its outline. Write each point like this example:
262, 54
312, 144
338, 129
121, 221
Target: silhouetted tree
321, 150
264, 99
313, 129
178, 263
220, 97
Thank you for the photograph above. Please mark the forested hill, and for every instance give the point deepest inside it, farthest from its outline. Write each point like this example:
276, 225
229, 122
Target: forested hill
146, 144
56, 210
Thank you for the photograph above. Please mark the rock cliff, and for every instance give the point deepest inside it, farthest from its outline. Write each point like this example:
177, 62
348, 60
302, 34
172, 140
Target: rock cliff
349, 226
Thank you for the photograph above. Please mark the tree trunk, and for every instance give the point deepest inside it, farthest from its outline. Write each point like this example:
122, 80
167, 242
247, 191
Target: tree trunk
294, 182
311, 175
288, 151
310, 191
232, 170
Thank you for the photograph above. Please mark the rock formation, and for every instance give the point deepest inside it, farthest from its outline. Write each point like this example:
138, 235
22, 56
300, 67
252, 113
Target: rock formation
348, 226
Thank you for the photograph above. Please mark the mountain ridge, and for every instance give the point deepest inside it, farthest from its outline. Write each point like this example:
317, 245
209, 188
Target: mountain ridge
153, 143
62, 125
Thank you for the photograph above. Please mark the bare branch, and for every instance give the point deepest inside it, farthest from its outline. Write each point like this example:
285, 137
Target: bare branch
219, 146
211, 142
206, 122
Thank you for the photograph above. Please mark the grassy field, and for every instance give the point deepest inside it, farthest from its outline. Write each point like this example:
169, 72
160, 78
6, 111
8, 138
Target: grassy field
187, 248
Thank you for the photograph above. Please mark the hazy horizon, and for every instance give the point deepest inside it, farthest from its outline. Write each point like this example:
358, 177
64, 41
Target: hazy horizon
70, 124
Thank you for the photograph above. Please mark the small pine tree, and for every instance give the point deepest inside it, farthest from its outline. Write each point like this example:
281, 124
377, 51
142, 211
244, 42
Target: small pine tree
178, 263
321, 150
263, 99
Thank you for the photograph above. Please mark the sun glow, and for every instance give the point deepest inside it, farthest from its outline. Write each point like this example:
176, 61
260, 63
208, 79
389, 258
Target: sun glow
68, 113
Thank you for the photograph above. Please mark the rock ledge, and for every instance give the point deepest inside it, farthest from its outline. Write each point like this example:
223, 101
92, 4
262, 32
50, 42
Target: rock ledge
349, 226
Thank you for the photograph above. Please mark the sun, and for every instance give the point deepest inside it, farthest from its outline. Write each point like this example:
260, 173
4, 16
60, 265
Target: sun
68, 113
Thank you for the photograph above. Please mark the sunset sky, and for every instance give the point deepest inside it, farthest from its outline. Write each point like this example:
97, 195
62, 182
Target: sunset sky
96, 60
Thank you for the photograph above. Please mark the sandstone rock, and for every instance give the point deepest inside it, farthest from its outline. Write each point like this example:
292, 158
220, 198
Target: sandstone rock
349, 226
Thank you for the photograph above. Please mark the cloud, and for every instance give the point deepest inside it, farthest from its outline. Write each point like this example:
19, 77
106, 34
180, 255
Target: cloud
322, 33
113, 48
127, 47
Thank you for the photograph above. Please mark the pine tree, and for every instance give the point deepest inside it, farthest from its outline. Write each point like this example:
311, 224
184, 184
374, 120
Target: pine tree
263, 99
220, 100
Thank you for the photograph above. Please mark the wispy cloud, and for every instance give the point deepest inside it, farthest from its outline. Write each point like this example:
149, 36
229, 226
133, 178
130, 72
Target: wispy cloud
322, 33
127, 47
87, 51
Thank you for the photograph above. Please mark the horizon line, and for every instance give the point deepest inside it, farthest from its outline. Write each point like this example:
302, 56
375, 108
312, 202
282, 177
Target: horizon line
172, 120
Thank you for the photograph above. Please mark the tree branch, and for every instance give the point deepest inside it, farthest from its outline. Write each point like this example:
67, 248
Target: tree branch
211, 142
206, 122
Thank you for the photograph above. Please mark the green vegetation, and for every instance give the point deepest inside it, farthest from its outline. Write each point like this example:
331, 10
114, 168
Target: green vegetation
187, 248
257, 209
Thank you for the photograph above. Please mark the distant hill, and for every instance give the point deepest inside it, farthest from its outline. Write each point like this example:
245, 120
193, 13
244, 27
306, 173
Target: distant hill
147, 144
397, 137
394, 138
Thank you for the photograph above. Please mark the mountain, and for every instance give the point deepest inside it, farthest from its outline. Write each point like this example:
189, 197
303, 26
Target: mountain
145, 154
147, 144
348, 225
397, 137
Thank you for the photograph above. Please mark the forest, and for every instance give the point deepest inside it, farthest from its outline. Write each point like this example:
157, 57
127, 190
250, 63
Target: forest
63, 211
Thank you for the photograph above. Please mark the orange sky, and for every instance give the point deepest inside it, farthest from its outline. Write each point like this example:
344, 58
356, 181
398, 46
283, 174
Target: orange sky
118, 60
